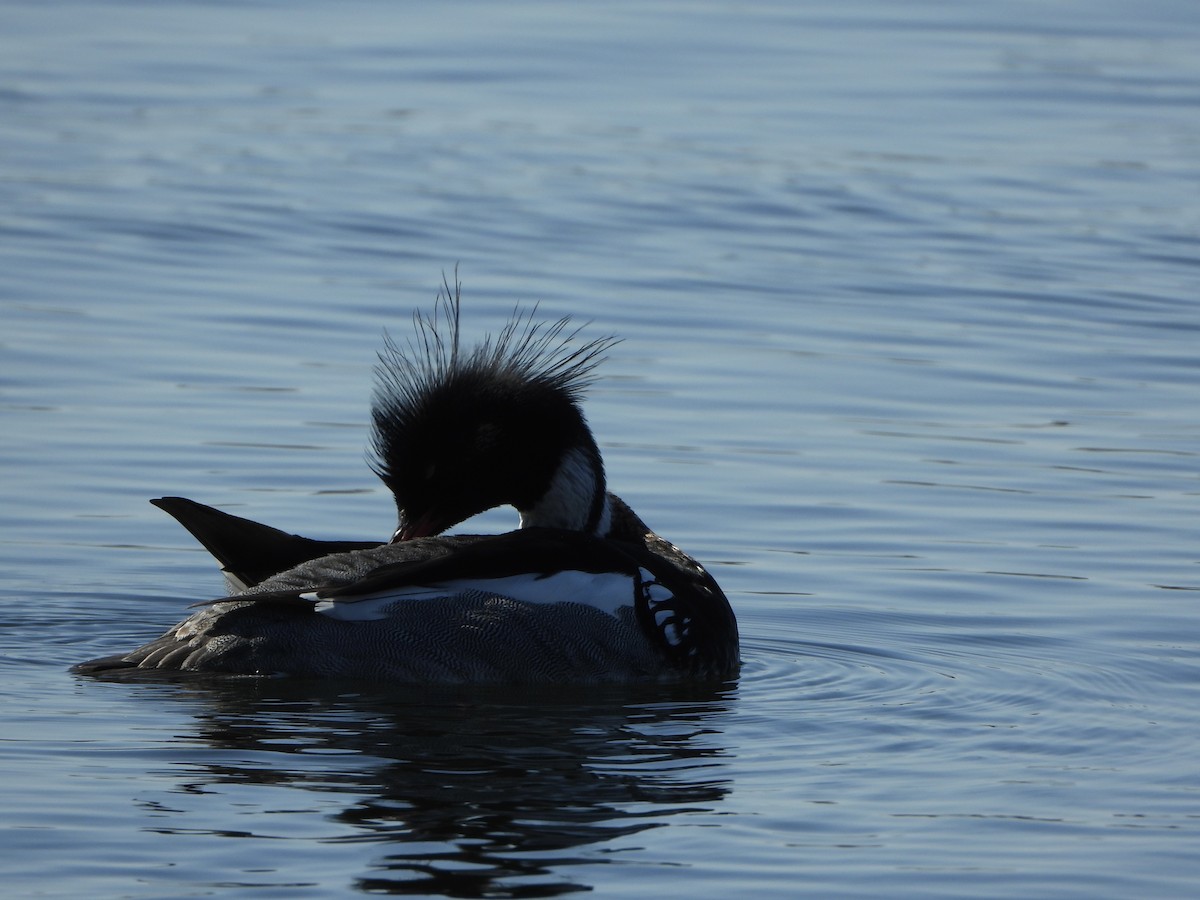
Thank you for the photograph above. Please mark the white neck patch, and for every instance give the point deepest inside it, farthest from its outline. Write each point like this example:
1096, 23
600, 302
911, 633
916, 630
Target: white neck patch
568, 500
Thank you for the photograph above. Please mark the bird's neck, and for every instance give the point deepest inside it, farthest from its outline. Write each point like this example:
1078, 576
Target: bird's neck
576, 499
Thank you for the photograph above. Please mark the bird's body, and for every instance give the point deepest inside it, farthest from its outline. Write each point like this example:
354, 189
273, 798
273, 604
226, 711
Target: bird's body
583, 592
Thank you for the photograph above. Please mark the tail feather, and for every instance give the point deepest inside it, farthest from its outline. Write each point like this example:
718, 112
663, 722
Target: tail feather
249, 552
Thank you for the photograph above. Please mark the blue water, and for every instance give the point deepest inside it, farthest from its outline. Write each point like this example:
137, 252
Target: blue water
911, 305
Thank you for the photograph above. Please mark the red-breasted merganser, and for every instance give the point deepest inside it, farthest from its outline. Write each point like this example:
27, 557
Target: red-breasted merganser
582, 592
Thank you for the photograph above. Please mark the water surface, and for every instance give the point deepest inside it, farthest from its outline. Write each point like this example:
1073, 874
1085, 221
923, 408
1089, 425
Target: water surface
909, 300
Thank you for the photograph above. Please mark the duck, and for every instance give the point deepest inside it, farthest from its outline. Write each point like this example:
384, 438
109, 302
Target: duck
581, 592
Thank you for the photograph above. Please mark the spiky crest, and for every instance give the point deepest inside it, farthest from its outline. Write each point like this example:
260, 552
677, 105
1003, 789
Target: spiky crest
547, 355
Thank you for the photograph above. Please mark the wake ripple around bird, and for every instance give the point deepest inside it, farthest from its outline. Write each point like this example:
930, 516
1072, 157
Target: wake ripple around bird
980, 669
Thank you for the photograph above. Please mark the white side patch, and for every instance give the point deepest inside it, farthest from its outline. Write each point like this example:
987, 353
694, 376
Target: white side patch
605, 591
655, 592
671, 625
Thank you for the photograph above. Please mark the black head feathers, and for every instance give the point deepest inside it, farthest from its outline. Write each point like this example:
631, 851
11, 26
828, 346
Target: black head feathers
457, 431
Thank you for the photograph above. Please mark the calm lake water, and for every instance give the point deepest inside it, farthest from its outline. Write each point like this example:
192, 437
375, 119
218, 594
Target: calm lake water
911, 305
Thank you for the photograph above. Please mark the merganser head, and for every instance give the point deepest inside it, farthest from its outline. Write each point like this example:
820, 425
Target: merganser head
457, 432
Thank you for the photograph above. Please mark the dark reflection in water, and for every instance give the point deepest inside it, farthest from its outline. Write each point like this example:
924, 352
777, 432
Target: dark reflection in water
475, 792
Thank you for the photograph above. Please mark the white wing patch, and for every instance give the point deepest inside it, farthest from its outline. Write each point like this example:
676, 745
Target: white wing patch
671, 625
605, 591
